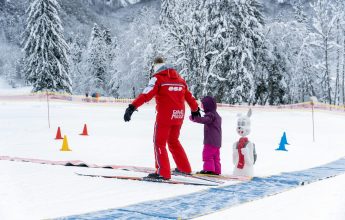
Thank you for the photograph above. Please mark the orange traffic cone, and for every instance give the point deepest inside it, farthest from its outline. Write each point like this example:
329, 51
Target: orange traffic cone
65, 144
58, 134
84, 131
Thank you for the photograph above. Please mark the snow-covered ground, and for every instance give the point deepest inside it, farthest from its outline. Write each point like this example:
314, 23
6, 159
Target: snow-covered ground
36, 191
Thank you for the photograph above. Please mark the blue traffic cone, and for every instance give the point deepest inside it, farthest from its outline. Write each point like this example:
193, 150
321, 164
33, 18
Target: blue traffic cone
284, 139
283, 142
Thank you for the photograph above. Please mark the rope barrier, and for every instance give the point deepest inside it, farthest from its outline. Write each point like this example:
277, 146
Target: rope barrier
63, 97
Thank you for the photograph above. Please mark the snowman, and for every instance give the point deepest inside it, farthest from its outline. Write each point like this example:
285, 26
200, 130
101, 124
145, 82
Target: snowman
244, 155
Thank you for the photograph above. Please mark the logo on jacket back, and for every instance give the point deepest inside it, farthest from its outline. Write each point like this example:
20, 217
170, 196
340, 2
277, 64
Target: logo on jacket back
175, 88
177, 114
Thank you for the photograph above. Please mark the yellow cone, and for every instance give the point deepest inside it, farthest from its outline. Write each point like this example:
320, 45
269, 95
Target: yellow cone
65, 144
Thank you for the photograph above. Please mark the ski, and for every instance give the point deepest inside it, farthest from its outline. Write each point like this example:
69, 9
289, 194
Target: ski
220, 179
173, 172
147, 179
176, 173
77, 163
224, 177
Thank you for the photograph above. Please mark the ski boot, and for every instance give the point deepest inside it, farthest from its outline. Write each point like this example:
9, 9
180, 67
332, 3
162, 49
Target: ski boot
207, 172
156, 177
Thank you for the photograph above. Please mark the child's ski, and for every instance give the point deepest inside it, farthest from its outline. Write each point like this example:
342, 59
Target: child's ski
173, 172
147, 179
224, 177
220, 179
177, 173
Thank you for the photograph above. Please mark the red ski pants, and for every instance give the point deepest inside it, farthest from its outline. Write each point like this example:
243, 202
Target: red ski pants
164, 134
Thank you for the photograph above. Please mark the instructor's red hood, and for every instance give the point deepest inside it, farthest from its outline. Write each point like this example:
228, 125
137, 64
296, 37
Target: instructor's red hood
167, 70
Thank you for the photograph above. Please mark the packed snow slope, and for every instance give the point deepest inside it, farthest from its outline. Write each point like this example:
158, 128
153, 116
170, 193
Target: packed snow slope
36, 191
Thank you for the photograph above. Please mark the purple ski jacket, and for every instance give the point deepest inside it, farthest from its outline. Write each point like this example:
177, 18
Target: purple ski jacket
212, 122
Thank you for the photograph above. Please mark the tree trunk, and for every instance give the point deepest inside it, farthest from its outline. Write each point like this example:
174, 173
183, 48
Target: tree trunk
327, 75
336, 89
343, 78
204, 78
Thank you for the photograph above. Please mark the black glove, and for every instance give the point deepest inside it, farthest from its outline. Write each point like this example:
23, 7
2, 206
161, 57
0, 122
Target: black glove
196, 113
129, 112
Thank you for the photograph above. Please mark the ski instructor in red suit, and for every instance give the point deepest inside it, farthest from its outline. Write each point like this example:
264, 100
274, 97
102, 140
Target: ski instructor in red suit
171, 92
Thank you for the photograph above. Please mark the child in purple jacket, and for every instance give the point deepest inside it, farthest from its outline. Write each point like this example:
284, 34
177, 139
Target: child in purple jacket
212, 136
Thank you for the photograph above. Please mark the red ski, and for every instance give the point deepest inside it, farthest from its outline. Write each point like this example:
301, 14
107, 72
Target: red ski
78, 163
146, 179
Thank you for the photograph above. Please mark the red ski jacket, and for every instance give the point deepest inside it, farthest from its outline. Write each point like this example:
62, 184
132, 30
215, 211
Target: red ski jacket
170, 91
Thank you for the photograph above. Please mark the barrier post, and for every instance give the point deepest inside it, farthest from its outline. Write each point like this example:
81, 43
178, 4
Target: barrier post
313, 99
48, 108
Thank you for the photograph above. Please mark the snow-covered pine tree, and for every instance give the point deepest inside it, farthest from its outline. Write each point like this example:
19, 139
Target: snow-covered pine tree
110, 56
262, 70
336, 98
107, 37
308, 81
271, 75
75, 60
246, 40
291, 41
207, 48
96, 61
299, 11
339, 27
110, 47
195, 41
276, 85
176, 24
112, 70
10, 61
138, 46
46, 65
166, 12
324, 23
99, 60
216, 46
341, 5
303, 76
